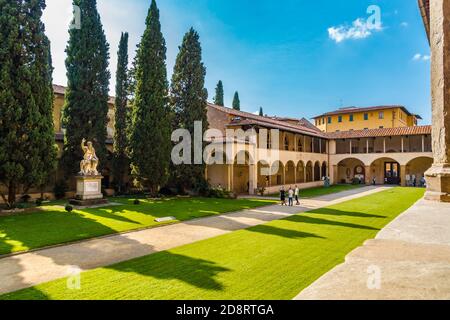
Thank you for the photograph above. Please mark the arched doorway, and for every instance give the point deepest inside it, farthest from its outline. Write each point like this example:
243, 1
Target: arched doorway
415, 171
277, 178
309, 172
386, 171
324, 169
263, 174
241, 173
317, 169
290, 172
300, 172
351, 170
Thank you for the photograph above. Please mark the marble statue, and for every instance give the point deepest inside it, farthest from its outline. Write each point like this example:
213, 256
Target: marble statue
89, 164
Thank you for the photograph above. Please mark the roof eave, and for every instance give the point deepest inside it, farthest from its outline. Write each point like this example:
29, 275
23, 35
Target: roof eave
424, 6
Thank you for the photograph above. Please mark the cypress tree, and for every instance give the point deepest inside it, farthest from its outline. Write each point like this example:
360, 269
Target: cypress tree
236, 102
120, 160
189, 104
86, 99
261, 112
218, 99
150, 142
27, 140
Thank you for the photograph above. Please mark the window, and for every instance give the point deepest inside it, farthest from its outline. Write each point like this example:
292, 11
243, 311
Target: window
381, 127
286, 144
351, 118
366, 128
340, 119
381, 115
366, 116
329, 120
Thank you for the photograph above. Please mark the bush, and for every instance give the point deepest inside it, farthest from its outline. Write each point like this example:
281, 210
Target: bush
167, 191
60, 189
20, 206
356, 181
137, 202
38, 202
69, 208
25, 198
219, 193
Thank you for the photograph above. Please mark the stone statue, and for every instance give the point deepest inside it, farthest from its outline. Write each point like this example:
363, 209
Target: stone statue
88, 166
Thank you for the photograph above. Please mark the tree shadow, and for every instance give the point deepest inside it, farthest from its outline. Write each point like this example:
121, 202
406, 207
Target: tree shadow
306, 219
285, 233
110, 213
167, 266
334, 212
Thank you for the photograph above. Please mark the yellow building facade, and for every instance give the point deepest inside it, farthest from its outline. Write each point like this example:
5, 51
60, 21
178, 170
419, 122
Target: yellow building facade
354, 118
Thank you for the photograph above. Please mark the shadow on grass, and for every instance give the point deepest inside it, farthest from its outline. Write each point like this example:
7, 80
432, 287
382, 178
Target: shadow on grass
305, 219
285, 233
111, 213
170, 266
334, 212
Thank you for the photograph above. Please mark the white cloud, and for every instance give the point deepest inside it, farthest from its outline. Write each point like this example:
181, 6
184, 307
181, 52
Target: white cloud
404, 24
359, 29
420, 57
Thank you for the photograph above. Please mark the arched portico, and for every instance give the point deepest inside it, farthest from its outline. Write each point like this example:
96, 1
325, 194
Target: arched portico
350, 169
290, 172
317, 171
300, 172
415, 171
309, 171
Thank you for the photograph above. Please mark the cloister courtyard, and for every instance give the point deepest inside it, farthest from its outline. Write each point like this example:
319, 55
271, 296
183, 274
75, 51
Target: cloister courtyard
160, 190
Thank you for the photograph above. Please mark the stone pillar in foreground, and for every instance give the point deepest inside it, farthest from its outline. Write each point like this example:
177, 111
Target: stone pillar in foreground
438, 177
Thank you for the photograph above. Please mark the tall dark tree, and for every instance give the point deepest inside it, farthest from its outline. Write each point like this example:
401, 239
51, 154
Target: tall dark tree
150, 142
120, 160
218, 98
236, 101
86, 105
189, 104
261, 112
27, 141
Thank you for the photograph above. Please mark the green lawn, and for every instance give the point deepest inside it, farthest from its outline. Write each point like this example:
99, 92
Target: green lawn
271, 261
54, 225
322, 191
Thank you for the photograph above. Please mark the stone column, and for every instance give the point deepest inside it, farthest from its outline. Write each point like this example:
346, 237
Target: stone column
253, 179
334, 175
368, 174
438, 177
403, 176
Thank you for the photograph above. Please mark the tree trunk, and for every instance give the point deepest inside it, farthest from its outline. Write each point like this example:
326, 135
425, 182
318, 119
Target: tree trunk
12, 194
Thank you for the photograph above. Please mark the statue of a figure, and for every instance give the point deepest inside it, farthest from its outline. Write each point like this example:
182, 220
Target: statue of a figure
88, 166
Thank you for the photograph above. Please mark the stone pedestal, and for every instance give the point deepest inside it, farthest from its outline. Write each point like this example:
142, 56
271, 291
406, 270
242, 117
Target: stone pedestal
438, 183
89, 191
438, 177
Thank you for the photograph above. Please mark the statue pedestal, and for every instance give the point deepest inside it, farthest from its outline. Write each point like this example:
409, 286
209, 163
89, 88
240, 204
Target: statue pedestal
89, 191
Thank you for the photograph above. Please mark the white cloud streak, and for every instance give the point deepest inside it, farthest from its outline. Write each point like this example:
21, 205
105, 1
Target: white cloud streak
421, 57
359, 29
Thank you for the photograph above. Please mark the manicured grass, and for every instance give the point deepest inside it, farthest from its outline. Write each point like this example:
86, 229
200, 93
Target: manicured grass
272, 261
54, 225
322, 191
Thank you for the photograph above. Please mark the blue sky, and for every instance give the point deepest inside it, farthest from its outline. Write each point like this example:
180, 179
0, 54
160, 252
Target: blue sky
281, 55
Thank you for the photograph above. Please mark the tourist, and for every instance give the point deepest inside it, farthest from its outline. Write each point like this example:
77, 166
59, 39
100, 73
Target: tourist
297, 194
283, 196
291, 197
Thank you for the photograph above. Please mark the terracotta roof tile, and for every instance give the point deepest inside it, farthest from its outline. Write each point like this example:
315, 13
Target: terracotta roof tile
385, 132
252, 119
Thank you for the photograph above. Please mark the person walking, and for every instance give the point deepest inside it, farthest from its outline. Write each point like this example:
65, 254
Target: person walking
283, 196
291, 197
297, 194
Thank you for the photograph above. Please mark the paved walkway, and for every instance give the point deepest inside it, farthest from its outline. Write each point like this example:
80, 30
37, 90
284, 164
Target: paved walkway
409, 259
32, 268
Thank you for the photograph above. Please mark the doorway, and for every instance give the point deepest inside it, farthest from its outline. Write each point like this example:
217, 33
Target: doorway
392, 173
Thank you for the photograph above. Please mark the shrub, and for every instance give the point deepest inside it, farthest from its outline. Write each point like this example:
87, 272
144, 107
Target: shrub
38, 202
137, 202
25, 198
356, 181
69, 208
20, 206
60, 189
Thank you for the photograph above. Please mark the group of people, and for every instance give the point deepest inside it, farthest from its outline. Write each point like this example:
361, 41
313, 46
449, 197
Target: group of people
291, 194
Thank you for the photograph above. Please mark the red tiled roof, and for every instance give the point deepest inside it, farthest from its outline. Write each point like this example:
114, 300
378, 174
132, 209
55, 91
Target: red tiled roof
385, 132
57, 89
252, 119
300, 122
363, 109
